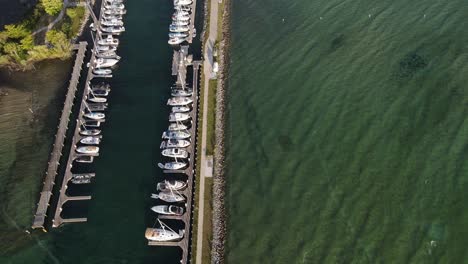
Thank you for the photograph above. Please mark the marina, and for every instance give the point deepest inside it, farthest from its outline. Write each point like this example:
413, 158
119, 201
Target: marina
90, 117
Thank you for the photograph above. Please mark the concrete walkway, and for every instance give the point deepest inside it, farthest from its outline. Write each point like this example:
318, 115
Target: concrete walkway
207, 66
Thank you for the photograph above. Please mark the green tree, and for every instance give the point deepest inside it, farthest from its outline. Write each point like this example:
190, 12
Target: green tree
27, 43
16, 31
52, 7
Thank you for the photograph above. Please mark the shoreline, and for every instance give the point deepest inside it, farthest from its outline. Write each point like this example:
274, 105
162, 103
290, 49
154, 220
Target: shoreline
219, 182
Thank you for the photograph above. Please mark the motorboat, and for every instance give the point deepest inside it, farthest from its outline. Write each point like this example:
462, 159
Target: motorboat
105, 63
175, 143
176, 126
176, 41
90, 132
110, 2
181, 13
84, 159
172, 165
92, 123
100, 90
90, 140
99, 86
163, 235
95, 99
102, 71
169, 197
93, 107
180, 18
107, 55
180, 109
183, 8
110, 41
178, 117
114, 6
88, 150
178, 28
83, 176
181, 92
95, 115
112, 15
180, 134
112, 22
101, 48
182, 2
175, 153
80, 181
113, 30
168, 209
180, 23
179, 101
114, 12
174, 185
177, 35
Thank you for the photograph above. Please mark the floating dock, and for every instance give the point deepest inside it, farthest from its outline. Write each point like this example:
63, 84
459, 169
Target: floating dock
49, 181
181, 62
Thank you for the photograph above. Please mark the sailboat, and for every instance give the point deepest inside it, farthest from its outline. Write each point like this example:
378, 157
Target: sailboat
172, 165
169, 197
176, 134
168, 209
163, 234
95, 115
167, 186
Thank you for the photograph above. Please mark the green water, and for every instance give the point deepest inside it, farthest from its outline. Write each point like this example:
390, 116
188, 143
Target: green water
348, 132
126, 171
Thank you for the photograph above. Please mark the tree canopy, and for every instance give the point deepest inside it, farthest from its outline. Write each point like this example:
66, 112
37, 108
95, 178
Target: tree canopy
52, 7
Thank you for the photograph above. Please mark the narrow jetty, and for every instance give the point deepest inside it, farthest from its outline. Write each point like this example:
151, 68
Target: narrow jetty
49, 181
192, 32
181, 60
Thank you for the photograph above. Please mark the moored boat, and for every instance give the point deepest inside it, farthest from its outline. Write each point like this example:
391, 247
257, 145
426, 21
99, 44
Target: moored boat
102, 71
178, 117
88, 150
163, 235
176, 165
168, 209
176, 134
169, 197
95, 115
180, 109
97, 99
175, 143
90, 140
175, 153
179, 101
90, 132
167, 186
176, 126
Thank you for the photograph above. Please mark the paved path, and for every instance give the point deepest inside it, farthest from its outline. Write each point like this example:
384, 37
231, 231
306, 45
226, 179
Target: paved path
55, 21
208, 59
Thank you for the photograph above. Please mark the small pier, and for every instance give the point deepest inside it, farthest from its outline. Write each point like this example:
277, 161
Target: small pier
181, 60
49, 181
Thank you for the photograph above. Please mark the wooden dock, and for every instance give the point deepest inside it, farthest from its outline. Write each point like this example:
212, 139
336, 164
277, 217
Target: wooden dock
49, 181
186, 218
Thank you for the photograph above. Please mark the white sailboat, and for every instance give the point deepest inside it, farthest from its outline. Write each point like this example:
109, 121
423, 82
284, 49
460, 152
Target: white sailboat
174, 185
176, 134
172, 165
163, 234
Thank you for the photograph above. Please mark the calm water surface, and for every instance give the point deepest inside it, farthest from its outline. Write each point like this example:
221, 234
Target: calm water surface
348, 132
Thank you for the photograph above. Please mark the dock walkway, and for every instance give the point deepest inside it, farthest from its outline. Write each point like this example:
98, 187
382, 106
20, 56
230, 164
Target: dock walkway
186, 218
63, 197
49, 181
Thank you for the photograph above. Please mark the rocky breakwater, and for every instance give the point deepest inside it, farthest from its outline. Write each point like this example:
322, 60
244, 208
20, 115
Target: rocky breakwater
219, 181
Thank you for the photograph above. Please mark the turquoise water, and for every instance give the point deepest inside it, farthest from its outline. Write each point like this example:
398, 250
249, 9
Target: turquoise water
126, 171
348, 132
